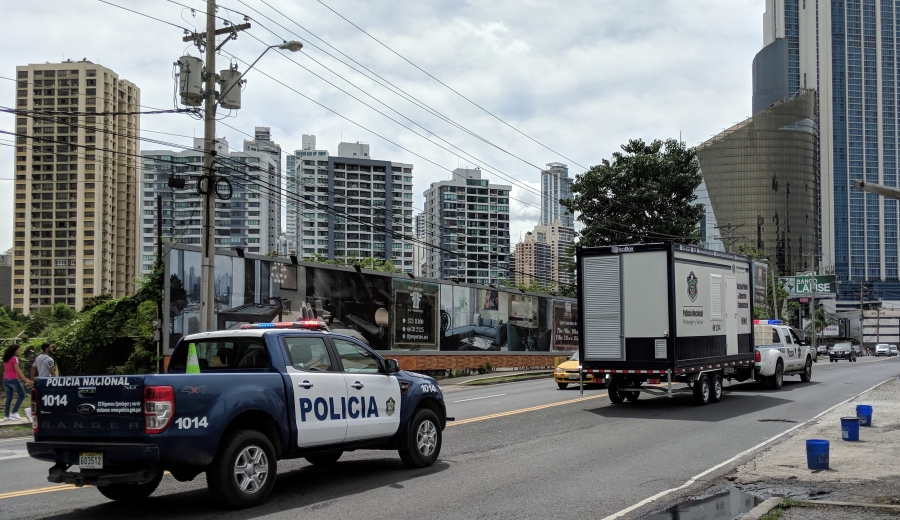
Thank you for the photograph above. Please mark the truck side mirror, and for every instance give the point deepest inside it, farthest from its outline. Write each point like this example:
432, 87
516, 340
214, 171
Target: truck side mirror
392, 365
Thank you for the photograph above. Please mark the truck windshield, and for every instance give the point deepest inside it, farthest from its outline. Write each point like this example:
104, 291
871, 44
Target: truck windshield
225, 354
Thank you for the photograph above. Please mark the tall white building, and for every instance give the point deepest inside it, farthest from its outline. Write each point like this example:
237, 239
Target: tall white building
847, 51
349, 205
555, 186
541, 256
251, 218
467, 228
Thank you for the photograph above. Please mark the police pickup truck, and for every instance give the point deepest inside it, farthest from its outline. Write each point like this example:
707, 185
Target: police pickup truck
779, 351
264, 393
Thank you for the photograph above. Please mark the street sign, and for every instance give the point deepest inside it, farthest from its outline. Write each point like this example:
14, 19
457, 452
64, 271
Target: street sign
821, 286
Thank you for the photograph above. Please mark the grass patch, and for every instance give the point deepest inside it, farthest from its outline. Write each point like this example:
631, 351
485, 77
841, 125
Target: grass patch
506, 379
786, 503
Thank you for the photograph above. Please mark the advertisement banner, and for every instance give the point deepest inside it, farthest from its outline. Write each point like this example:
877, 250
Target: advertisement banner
565, 328
415, 313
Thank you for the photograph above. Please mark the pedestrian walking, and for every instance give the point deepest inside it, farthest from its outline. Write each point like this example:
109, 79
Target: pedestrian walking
44, 366
12, 372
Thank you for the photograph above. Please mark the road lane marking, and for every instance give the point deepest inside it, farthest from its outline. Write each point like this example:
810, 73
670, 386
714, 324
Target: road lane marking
524, 410
27, 492
477, 398
744, 453
13, 454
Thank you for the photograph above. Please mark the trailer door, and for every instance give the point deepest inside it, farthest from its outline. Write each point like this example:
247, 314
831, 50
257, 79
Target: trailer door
602, 325
731, 316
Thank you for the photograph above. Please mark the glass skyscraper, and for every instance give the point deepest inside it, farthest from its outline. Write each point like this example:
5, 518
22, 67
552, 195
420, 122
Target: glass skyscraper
848, 51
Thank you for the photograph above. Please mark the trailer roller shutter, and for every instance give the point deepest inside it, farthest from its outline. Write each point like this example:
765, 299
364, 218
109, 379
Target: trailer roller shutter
602, 318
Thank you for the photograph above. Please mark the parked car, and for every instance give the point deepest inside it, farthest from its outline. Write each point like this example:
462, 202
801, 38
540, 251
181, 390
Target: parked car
842, 351
882, 349
894, 351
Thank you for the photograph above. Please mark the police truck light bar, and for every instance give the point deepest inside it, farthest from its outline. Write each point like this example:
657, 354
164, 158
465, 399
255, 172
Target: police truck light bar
305, 324
768, 322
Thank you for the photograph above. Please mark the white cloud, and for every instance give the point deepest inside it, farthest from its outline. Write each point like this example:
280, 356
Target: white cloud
582, 77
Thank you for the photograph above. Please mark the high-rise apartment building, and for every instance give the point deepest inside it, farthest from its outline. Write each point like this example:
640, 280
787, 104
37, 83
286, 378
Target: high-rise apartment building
349, 206
555, 186
76, 162
467, 225
420, 246
543, 256
250, 219
847, 51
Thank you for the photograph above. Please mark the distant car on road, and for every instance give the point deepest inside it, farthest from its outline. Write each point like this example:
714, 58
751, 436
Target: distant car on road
882, 349
842, 351
894, 350
822, 350
567, 372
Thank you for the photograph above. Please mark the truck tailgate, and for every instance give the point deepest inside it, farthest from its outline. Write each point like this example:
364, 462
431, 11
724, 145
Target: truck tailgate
89, 407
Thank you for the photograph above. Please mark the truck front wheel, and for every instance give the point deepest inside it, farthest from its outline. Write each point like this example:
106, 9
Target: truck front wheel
806, 376
243, 472
130, 492
702, 390
423, 440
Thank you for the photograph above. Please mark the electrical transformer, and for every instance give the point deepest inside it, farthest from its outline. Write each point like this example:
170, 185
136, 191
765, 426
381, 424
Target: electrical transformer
190, 81
230, 88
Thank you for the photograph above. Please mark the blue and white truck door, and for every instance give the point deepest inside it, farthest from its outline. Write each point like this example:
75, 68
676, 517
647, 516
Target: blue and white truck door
373, 402
320, 394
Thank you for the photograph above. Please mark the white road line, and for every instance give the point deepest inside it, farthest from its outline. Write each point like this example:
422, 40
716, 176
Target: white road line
477, 398
763, 444
13, 454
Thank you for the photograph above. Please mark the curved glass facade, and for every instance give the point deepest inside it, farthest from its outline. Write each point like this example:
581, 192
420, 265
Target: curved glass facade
763, 183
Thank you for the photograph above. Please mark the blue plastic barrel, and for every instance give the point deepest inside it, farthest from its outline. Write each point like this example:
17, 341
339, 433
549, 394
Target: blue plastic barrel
850, 428
864, 412
817, 454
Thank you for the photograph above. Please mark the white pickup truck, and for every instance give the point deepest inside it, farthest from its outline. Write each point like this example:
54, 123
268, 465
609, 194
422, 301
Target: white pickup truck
779, 351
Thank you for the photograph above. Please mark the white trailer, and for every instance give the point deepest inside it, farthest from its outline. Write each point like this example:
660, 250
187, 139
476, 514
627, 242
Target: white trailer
664, 313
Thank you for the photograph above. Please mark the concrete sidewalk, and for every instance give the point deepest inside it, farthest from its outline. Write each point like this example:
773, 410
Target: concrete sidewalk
866, 472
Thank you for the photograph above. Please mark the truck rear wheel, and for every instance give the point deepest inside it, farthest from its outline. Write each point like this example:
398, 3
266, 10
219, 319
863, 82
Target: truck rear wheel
806, 376
612, 390
130, 492
716, 391
702, 390
774, 382
243, 472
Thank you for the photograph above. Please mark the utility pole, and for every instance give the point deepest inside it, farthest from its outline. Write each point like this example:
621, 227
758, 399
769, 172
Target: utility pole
862, 317
208, 232
812, 307
159, 260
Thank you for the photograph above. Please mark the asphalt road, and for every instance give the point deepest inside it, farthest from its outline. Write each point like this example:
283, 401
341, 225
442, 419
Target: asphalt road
518, 450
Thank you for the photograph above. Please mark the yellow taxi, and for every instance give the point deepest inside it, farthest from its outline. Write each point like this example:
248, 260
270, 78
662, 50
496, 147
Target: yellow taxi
567, 372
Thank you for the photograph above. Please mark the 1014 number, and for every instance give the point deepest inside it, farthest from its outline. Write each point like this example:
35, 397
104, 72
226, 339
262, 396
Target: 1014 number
186, 423
54, 400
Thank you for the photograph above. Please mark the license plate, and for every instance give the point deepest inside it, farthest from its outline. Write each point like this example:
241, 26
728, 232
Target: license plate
729, 370
89, 460
573, 376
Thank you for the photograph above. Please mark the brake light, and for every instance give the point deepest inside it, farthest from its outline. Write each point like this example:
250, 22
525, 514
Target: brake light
757, 357
34, 410
159, 408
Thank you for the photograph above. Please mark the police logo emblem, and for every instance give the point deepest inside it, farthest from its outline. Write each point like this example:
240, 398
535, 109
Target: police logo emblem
692, 286
389, 409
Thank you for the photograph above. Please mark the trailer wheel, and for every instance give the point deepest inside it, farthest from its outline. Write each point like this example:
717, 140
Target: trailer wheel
806, 376
632, 396
615, 396
562, 386
716, 388
774, 382
702, 390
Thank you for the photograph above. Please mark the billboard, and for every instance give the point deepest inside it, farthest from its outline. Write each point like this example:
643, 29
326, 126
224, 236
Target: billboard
820, 286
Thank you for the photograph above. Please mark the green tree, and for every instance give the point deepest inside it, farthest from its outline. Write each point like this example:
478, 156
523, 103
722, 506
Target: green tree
645, 194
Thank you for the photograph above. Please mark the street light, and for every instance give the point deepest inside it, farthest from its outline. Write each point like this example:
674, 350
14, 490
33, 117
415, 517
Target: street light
292, 46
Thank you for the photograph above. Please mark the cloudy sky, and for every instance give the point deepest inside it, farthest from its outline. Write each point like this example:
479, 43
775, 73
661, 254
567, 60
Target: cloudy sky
579, 77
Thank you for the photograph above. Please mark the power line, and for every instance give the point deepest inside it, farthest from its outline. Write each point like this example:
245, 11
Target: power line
145, 15
448, 86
